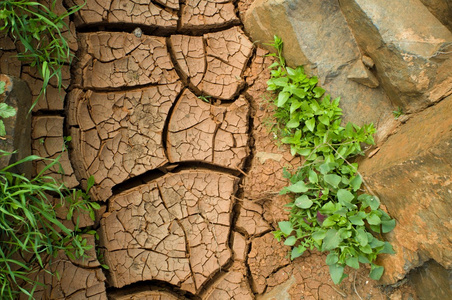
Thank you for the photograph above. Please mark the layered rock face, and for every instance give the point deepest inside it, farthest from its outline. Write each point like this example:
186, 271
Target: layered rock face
380, 56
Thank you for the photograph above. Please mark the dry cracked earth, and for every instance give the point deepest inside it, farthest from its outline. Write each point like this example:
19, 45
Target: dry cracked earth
165, 111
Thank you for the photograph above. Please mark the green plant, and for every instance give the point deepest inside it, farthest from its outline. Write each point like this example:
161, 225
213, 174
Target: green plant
6, 111
41, 32
329, 211
397, 113
31, 232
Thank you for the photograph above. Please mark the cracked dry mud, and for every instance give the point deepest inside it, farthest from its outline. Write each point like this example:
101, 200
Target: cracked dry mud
165, 111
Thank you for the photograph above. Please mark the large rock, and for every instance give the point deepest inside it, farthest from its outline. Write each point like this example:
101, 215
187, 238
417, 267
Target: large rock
411, 50
432, 282
442, 10
411, 174
316, 35
18, 128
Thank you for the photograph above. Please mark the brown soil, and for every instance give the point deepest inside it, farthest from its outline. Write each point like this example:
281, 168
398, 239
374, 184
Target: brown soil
171, 119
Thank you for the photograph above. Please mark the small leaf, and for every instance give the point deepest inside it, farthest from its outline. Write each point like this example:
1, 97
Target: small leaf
361, 237
6, 111
297, 252
310, 124
376, 272
318, 92
331, 240
303, 202
290, 241
387, 226
337, 273
2, 128
286, 227
373, 219
332, 179
293, 124
352, 262
345, 197
356, 182
369, 200
282, 98
357, 219
318, 235
324, 120
304, 151
299, 187
387, 249
332, 259
313, 178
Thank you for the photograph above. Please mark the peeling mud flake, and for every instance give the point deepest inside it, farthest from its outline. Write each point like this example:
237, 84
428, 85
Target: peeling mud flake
202, 15
173, 229
204, 132
119, 135
138, 12
113, 60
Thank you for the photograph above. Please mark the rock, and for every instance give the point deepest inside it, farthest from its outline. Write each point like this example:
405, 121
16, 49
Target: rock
18, 127
411, 175
316, 35
432, 281
360, 74
408, 54
441, 9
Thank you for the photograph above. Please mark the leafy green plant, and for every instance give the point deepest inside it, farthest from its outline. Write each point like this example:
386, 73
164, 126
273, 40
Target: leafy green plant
6, 111
31, 232
41, 32
397, 113
330, 212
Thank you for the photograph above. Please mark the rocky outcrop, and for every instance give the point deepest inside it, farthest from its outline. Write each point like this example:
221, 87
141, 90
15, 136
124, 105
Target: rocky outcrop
316, 35
412, 58
411, 174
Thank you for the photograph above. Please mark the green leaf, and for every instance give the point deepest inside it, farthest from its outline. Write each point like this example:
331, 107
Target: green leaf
332, 179
387, 226
376, 272
369, 200
318, 92
337, 273
326, 168
285, 227
299, 187
318, 235
297, 252
313, 178
357, 219
373, 219
356, 182
352, 262
290, 241
303, 202
2, 128
331, 240
6, 111
361, 237
282, 98
304, 151
293, 124
345, 197
364, 260
332, 259
387, 249
310, 124
328, 208
324, 120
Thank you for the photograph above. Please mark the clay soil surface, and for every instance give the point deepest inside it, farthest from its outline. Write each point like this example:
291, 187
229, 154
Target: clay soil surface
168, 110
